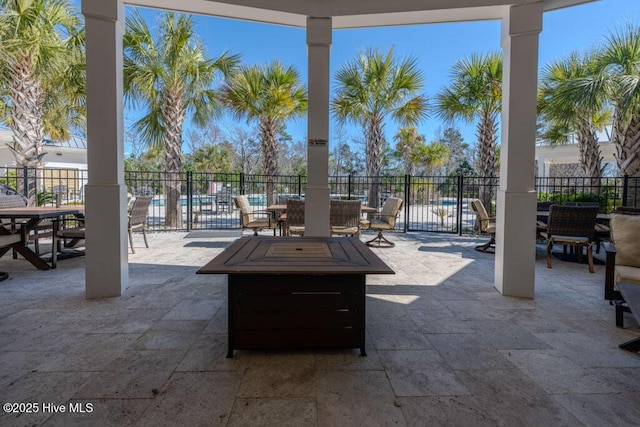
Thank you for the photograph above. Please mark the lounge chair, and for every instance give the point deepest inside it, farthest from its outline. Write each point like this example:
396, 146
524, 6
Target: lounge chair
486, 224
385, 220
252, 219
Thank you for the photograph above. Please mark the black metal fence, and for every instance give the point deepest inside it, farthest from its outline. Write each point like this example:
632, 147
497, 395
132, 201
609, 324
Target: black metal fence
431, 203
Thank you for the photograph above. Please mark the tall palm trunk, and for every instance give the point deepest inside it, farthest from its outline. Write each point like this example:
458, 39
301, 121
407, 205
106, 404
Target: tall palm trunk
269, 156
374, 151
487, 158
626, 138
173, 115
27, 125
590, 156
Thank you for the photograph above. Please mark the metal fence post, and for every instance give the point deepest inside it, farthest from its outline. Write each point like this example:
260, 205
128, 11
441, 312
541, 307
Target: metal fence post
241, 183
407, 201
459, 203
25, 182
299, 185
189, 200
625, 190
349, 189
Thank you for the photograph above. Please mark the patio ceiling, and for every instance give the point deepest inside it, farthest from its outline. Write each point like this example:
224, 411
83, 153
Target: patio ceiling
353, 13
106, 271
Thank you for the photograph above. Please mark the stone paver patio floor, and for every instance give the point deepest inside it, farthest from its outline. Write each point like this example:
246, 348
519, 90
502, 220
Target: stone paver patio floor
444, 347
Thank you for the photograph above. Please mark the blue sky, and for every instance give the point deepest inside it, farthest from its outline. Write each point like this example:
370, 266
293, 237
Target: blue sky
436, 47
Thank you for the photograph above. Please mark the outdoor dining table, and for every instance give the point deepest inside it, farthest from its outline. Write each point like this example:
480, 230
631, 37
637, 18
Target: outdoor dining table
279, 213
28, 219
599, 217
283, 208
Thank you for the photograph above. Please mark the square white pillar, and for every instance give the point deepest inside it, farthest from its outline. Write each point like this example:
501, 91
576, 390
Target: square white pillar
107, 272
516, 202
317, 193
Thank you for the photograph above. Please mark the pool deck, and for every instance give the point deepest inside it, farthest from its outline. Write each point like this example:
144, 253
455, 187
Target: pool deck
444, 347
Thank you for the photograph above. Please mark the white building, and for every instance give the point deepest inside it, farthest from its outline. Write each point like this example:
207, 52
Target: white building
69, 154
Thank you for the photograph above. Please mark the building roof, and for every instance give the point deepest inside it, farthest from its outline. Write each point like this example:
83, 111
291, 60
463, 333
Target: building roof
352, 13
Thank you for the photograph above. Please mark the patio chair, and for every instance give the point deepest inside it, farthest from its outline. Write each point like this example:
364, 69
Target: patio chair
138, 218
571, 226
486, 224
384, 220
253, 219
8, 241
11, 199
602, 230
622, 259
344, 217
294, 222
541, 220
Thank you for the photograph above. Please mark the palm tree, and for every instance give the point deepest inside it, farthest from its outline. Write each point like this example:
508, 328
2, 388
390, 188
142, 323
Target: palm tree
408, 143
433, 156
563, 114
371, 89
41, 46
476, 94
621, 58
171, 77
269, 94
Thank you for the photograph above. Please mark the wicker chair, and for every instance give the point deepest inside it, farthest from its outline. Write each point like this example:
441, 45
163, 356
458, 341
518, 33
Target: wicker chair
252, 219
344, 217
383, 221
571, 226
486, 224
295, 217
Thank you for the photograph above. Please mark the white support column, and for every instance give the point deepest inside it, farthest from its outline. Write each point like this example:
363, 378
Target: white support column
516, 202
107, 273
317, 192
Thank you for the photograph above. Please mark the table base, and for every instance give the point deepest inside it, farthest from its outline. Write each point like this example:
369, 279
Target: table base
296, 311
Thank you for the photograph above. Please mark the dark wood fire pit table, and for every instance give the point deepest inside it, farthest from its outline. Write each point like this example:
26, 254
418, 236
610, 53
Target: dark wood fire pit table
292, 292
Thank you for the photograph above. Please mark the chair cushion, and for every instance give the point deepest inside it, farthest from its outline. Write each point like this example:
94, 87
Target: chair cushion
72, 233
576, 240
345, 230
296, 229
9, 239
260, 224
380, 224
627, 274
625, 234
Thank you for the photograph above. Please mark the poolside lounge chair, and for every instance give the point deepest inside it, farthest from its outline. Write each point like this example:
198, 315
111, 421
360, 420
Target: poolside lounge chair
383, 221
251, 219
486, 224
